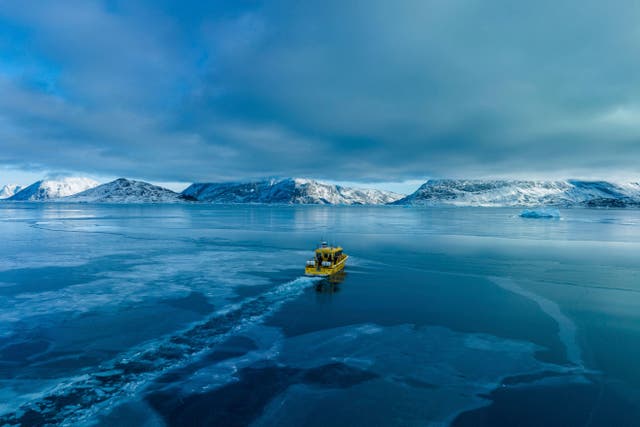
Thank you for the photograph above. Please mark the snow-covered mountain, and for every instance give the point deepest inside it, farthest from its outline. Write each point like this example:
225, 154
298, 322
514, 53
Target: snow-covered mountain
524, 193
53, 189
9, 190
288, 191
127, 191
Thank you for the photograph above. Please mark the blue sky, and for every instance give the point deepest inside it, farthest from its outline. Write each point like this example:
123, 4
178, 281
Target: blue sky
373, 92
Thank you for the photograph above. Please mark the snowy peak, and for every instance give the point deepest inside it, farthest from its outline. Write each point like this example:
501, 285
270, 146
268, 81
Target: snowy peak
9, 190
524, 193
287, 191
124, 190
53, 189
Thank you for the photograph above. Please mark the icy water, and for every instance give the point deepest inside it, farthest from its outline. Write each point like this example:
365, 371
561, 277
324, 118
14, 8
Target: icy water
199, 315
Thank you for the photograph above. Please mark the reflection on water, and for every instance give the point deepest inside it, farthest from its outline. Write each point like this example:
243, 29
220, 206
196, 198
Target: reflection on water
332, 283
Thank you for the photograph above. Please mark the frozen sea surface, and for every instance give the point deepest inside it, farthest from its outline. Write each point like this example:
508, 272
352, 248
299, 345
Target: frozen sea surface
198, 315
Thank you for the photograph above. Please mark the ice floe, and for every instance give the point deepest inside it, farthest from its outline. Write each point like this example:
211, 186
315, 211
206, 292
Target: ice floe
550, 213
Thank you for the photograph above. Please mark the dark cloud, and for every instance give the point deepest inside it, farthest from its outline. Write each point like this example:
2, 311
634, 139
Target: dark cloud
361, 90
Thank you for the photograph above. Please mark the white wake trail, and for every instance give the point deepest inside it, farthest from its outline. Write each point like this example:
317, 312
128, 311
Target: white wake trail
78, 399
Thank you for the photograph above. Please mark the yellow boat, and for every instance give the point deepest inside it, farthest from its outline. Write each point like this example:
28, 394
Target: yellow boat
328, 261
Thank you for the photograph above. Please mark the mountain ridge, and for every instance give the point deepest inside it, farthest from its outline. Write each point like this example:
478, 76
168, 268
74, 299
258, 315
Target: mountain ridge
287, 191
9, 190
48, 189
524, 193
434, 192
123, 190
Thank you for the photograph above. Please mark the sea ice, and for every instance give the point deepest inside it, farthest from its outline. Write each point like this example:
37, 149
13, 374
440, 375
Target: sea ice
433, 373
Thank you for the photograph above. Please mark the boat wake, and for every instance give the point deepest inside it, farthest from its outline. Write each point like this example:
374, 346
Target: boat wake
77, 399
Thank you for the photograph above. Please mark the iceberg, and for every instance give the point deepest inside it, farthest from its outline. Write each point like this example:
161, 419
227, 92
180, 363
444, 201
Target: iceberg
550, 213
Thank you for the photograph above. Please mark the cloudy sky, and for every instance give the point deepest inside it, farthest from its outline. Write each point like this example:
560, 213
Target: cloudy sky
362, 91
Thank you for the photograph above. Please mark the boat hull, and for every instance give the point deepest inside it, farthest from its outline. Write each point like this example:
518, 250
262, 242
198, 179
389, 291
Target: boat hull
313, 271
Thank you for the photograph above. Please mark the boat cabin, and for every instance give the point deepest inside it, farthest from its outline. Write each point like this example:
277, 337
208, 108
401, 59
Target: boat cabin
327, 260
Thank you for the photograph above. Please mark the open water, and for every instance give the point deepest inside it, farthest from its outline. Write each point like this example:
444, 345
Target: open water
187, 315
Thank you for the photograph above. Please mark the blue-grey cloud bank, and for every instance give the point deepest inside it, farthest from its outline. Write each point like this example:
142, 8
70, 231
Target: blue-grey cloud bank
356, 90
